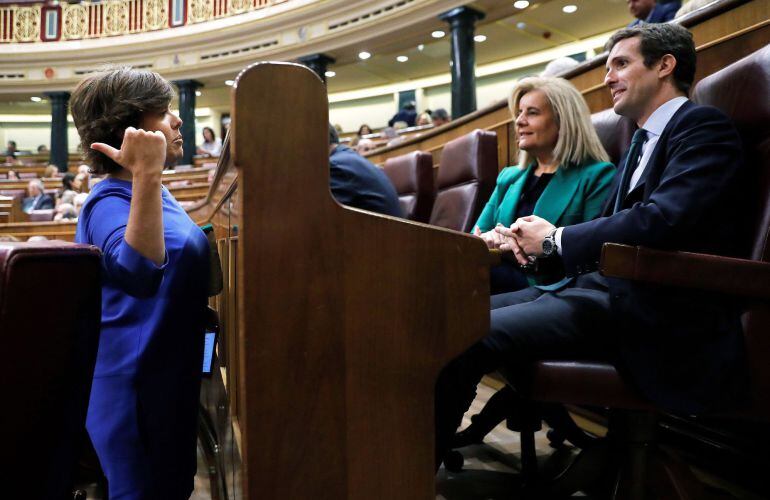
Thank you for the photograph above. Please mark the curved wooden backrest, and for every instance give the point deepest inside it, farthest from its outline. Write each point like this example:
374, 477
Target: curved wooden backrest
344, 317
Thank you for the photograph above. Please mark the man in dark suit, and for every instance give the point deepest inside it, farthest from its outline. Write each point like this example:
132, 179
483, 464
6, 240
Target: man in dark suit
408, 115
356, 182
37, 199
678, 188
650, 11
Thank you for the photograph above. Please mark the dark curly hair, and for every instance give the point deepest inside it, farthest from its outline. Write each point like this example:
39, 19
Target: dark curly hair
106, 103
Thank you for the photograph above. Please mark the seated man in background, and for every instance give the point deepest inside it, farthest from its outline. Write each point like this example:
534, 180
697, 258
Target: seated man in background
679, 188
356, 182
37, 199
652, 11
408, 115
10, 150
440, 117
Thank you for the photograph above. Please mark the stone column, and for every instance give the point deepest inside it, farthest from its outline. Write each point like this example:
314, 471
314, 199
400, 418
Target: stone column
187, 114
318, 63
59, 154
462, 25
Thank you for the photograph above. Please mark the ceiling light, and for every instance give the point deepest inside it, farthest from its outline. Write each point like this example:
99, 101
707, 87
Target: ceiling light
569, 9
35, 99
364, 55
402, 58
229, 83
521, 4
521, 25
480, 38
198, 93
438, 34
330, 74
421, 47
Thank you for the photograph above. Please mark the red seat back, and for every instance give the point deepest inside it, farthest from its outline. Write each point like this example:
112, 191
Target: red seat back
412, 176
50, 309
466, 178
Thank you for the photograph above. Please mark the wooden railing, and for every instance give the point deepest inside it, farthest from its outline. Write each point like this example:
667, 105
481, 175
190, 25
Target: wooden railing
723, 32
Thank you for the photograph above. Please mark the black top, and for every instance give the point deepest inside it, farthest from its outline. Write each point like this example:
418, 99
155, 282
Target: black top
530, 193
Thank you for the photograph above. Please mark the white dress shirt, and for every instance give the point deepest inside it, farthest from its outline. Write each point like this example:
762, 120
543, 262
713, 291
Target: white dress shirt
654, 127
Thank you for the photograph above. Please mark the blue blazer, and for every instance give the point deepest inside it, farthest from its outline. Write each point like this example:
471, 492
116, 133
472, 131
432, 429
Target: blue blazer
684, 349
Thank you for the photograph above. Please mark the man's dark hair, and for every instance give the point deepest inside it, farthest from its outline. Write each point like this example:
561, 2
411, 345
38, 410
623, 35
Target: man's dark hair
441, 114
410, 105
334, 137
12, 143
106, 103
657, 40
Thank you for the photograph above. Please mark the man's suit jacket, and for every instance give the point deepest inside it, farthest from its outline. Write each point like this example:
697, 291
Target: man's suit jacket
43, 202
357, 182
661, 13
684, 349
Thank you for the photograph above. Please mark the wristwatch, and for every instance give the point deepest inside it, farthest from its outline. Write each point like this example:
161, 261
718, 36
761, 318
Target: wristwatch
549, 244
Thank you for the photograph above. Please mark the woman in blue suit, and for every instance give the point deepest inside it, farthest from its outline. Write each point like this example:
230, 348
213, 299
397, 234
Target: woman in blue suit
142, 415
563, 176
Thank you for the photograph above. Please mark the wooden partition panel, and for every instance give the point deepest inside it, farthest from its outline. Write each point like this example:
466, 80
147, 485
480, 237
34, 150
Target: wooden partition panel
345, 317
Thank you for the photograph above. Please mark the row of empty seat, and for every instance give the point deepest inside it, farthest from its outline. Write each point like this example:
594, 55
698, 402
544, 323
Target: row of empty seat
454, 196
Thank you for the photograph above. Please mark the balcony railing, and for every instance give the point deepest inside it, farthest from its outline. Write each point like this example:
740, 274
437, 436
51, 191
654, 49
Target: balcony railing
52, 22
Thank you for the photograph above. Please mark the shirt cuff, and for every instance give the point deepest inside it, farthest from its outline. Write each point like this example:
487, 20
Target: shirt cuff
557, 239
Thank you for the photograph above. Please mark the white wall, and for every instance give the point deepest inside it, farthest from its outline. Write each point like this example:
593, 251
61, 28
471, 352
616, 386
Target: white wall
29, 135
374, 111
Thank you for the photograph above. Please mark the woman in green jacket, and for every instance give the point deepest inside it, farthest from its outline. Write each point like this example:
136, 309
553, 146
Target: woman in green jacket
563, 174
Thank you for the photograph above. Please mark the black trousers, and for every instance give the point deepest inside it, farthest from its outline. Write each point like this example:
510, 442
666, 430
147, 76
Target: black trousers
526, 326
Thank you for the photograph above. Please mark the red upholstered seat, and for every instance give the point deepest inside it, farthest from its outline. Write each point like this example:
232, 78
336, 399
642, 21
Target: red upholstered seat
412, 176
50, 309
466, 178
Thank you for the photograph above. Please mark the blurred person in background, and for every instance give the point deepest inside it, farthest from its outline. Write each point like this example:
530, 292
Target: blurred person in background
440, 117
212, 145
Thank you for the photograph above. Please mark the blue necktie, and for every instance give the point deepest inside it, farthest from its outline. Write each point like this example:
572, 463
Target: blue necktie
632, 160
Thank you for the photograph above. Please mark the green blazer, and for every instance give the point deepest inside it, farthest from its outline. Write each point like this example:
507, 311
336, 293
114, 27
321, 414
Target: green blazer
575, 194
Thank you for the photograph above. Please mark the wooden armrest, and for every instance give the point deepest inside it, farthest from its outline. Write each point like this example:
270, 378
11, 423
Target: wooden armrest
743, 277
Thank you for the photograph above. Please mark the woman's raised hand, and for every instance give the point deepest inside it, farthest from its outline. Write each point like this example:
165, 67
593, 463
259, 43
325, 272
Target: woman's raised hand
140, 153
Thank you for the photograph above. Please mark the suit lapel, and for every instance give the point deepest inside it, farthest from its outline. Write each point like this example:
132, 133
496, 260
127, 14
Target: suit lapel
651, 175
510, 202
558, 194
609, 202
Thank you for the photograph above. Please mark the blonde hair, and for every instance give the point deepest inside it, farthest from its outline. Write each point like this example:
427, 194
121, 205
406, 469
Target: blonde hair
577, 142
